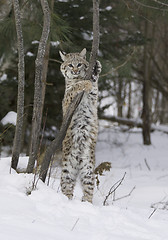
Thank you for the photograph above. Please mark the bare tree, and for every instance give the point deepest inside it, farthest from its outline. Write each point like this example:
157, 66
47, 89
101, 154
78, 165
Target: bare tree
39, 89
57, 142
21, 80
146, 115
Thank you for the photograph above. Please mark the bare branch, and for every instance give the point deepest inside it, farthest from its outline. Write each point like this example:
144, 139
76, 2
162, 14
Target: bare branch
147, 164
127, 195
149, 6
57, 142
113, 188
161, 3
152, 213
120, 66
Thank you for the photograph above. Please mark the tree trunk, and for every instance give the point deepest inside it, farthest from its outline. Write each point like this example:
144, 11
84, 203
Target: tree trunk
39, 89
57, 142
21, 80
146, 115
129, 101
119, 98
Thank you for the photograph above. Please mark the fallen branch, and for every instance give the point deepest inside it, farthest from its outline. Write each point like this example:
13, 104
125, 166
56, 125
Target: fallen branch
133, 123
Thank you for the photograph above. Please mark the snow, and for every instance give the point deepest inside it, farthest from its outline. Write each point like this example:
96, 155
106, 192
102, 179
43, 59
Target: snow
3, 77
9, 118
55, 44
108, 8
48, 214
29, 54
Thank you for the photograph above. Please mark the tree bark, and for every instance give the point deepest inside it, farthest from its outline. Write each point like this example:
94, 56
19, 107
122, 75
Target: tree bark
146, 115
129, 101
95, 43
57, 142
120, 98
38, 94
21, 80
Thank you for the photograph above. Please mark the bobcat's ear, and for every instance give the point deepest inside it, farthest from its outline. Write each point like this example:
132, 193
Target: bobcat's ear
83, 53
63, 55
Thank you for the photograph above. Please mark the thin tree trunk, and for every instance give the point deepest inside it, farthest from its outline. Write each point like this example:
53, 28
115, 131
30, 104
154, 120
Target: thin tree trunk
57, 142
39, 89
146, 115
119, 98
21, 80
129, 101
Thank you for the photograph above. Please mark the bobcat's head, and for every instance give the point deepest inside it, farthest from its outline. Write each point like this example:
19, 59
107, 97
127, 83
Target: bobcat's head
74, 65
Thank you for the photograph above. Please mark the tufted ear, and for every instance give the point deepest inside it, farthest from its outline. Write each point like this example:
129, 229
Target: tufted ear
63, 55
83, 53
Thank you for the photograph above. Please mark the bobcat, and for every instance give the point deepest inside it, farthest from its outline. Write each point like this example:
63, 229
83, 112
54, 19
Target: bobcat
80, 140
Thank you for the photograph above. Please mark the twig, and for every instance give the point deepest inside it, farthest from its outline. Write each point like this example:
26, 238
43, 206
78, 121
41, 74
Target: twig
149, 6
54, 60
120, 66
75, 224
50, 169
147, 164
152, 213
127, 195
113, 188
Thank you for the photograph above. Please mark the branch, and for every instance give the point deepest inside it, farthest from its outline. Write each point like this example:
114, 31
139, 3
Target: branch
120, 66
57, 142
127, 195
134, 123
149, 6
113, 189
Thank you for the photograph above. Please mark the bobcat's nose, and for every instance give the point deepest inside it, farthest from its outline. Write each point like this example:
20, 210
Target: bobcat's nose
75, 71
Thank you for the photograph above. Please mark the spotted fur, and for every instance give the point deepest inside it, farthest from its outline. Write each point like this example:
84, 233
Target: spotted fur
79, 143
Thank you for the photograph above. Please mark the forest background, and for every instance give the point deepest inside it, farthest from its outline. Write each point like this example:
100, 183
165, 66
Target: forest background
133, 52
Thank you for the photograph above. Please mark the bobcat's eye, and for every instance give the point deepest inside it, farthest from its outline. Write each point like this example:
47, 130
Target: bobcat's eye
79, 65
70, 65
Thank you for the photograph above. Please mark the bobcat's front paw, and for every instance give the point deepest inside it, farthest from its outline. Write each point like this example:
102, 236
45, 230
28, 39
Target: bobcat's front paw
96, 71
98, 68
88, 85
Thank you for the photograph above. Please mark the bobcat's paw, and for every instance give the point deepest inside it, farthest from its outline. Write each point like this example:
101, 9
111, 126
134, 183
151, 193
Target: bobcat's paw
88, 85
98, 67
96, 71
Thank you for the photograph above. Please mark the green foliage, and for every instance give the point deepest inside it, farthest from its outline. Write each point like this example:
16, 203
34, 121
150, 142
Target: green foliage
8, 34
7, 133
121, 30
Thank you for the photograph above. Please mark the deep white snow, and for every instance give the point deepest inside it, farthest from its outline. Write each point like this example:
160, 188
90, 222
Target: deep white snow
48, 215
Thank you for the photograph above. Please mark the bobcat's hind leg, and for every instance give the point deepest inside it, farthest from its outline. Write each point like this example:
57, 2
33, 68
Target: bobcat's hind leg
68, 179
87, 181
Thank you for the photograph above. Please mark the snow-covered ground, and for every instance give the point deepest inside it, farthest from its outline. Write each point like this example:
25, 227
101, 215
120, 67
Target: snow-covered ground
48, 215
